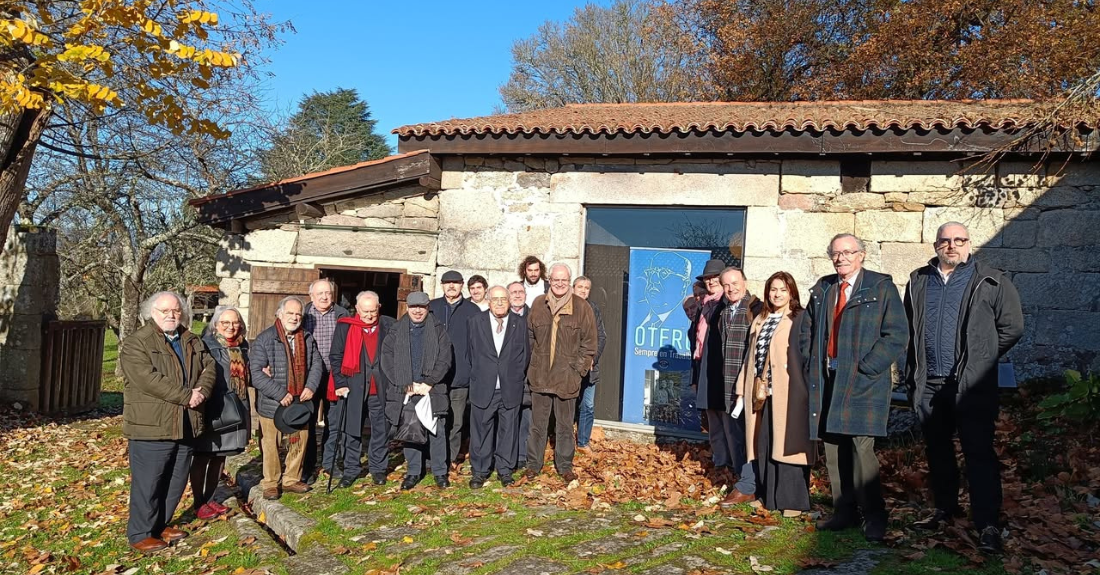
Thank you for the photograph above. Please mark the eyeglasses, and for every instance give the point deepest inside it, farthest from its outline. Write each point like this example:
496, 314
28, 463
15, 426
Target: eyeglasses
847, 254
229, 323
503, 299
172, 311
943, 242
564, 281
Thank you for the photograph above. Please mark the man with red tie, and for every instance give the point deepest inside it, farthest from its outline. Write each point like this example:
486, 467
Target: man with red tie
856, 329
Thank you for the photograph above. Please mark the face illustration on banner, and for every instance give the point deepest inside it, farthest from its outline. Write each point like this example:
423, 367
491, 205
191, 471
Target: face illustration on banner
667, 282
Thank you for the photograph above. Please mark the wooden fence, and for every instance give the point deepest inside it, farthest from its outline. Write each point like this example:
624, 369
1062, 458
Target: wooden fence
72, 366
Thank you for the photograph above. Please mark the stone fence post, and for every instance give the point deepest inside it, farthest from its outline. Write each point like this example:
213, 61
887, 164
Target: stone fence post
30, 274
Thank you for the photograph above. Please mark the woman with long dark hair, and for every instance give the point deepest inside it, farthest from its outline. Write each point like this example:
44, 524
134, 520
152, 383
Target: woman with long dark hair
225, 338
773, 386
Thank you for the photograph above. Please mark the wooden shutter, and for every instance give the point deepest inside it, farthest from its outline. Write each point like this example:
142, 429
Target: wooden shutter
408, 284
269, 286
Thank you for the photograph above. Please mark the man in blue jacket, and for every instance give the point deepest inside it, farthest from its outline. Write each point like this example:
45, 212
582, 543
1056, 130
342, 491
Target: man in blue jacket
452, 310
963, 316
856, 329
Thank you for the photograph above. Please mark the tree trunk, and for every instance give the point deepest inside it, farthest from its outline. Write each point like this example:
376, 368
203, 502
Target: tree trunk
19, 134
133, 291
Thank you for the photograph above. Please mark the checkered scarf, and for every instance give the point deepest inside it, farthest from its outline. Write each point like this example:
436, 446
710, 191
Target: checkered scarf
764, 341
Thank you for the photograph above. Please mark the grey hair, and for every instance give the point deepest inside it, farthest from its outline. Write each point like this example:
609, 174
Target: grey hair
147, 307
284, 301
859, 242
939, 230
214, 317
509, 286
331, 284
582, 279
369, 295
734, 269
560, 265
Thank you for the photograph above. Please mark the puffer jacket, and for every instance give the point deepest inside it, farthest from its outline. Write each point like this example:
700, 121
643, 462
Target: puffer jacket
155, 390
266, 351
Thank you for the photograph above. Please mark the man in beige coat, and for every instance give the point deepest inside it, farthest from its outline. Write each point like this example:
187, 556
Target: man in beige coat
562, 332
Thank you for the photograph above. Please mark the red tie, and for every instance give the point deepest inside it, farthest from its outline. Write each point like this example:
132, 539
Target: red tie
841, 299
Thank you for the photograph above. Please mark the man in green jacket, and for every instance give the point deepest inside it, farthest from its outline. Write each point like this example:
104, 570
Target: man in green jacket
167, 374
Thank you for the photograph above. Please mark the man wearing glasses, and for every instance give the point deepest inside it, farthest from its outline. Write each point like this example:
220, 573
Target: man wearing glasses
963, 316
855, 330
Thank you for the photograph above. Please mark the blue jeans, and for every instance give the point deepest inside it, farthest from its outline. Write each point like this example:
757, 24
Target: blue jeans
587, 413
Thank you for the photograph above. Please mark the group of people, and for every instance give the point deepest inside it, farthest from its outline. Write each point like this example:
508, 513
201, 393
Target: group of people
772, 377
493, 366
775, 377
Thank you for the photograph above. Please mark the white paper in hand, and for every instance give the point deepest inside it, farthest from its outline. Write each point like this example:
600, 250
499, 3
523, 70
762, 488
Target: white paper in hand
738, 408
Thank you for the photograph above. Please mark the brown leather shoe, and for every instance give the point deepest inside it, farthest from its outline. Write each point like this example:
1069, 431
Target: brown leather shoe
568, 476
736, 498
149, 545
271, 493
171, 534
299, 487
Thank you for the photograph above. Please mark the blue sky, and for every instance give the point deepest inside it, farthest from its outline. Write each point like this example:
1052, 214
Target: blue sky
411, 61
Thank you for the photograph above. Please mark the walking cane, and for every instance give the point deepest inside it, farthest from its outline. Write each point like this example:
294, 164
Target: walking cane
339, 440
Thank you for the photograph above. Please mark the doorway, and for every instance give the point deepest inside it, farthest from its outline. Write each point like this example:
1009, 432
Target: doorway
349, 282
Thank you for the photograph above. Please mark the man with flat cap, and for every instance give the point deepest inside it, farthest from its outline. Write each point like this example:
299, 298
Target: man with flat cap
497, 354
451, 311
416, 358
707, 376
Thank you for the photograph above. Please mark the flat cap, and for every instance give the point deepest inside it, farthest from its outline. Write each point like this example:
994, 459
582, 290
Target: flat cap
451, 276
417, 298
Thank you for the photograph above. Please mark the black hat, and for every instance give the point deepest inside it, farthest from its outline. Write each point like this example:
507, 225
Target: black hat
713, 268
416, 298
294, 417
451, 276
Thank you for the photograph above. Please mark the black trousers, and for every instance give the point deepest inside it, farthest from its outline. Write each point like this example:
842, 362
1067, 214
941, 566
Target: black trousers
497, 425
309, 464
456, 421
975, 425
541, 406
377, 446
158, 475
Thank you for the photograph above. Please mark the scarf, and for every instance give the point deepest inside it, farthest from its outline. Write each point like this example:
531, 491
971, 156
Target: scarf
354, 344
557, 305
295, 359
701, 329
239, 378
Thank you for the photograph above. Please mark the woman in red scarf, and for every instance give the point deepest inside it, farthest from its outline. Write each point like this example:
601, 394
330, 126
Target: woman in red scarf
225, 339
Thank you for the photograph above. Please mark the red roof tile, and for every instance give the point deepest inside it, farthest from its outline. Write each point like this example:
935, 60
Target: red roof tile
745, 117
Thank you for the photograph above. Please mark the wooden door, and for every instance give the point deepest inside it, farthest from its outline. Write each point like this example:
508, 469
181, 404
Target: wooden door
408, 284
269, 286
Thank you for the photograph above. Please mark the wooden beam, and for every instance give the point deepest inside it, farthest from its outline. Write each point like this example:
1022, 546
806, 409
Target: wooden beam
307, 210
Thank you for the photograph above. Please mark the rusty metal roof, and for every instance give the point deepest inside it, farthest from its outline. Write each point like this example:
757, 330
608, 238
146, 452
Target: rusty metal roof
666, 118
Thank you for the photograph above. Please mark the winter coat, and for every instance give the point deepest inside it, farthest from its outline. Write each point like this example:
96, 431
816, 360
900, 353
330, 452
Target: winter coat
790, 433
266, 351
735, 324
871, 337
233, 441
455, 324
706, 372
359, 383
155, 390
436, 363
593, 376
990, 323
574, 348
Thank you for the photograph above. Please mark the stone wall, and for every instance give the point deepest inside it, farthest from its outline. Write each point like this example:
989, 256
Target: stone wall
395, 230
30, 274
1037, 223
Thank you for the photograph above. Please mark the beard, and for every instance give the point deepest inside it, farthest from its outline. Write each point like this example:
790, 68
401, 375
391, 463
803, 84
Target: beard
950, 260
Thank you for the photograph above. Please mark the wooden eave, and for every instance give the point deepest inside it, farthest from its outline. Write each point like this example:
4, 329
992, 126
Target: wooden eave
888, 141
413, 168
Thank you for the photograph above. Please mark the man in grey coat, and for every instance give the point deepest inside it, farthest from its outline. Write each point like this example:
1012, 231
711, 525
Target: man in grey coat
963, 316
286, 368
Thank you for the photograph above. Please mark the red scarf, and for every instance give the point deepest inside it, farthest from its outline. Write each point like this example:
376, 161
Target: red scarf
353, 346
701, 328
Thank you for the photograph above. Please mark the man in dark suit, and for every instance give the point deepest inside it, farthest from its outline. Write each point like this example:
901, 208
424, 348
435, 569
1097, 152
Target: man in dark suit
856, 328
360, 385
497, 355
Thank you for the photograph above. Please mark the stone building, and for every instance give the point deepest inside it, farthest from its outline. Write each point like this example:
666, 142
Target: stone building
764, 186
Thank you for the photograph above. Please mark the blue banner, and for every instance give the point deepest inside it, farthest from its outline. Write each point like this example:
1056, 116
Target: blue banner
657, 358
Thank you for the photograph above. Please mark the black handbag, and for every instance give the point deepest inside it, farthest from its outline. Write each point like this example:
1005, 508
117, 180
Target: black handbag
226, 414
409, 428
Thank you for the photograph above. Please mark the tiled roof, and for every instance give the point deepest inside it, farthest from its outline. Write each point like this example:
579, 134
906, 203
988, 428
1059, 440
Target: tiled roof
745, 117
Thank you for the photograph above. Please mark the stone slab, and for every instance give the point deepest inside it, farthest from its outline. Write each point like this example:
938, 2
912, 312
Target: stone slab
755, 186
363, 244
922, 176
381, 211
284, 521
889, 226
317, 562
264, 547
486, 556
534, 566
1015, 260
276, 246
812, 232
469, 209
1072, 329
1020, 234
480, 250
855, 202
762, 227
1049, 292
900, 259
359, 519
684, 565
811, 177
863, 562
615, 544
573, 525
488, 178
1069, 228
1078, 259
